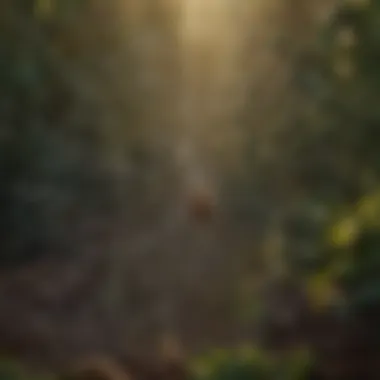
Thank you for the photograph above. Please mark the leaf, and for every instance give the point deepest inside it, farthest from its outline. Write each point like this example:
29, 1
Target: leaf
44, 8
322, 290
344, 67
358, 4
368, 209
345, 232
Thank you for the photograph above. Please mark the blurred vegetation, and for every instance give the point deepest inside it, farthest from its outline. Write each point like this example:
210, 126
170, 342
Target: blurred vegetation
49, 154
251, 363
71, 129
326, 168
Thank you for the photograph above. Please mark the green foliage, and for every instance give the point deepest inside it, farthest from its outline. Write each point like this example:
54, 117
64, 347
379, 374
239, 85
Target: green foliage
250, 363
10, 370
358, 244
333, 159
52, 158
13, 370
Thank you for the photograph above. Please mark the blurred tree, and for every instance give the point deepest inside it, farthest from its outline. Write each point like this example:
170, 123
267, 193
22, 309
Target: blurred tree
52, 123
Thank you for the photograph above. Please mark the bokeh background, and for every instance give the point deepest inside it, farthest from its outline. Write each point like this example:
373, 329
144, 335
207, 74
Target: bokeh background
194, 177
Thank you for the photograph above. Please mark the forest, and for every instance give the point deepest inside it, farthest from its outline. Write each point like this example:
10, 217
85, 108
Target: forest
189, 190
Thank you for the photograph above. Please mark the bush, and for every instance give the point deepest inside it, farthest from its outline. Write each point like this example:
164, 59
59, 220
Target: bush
12, 370
251, 363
